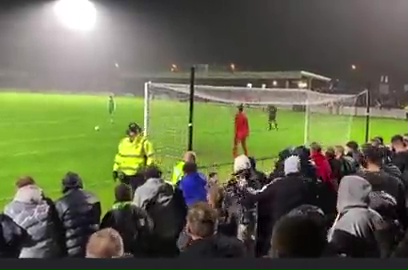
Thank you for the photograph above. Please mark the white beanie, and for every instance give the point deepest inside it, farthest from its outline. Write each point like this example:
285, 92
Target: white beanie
241, 163
292, 165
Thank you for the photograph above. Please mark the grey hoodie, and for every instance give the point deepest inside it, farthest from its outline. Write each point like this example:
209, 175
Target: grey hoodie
355, 217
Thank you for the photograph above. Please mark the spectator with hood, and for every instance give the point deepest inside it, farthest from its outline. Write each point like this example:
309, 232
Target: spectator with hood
79, 212
353, 232
37, 217
206, 242
12, 238
133, 223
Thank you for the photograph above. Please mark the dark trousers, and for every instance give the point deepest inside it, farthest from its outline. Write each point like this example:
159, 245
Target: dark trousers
134, 181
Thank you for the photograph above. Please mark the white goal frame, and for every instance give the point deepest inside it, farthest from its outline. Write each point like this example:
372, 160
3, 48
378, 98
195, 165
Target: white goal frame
185, 89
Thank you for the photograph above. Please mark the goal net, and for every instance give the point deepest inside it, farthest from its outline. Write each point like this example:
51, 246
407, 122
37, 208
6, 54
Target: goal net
303, 116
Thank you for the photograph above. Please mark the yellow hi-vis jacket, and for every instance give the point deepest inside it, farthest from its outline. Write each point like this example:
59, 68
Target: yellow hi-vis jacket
133, 156
177, 172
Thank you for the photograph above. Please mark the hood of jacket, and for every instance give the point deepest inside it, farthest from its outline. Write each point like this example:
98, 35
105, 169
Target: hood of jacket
29, 194
353, 192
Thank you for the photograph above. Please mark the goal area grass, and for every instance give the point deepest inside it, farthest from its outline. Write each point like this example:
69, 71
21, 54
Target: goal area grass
47, 135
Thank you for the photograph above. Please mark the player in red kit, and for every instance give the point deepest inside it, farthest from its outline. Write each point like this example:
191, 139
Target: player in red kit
241, 131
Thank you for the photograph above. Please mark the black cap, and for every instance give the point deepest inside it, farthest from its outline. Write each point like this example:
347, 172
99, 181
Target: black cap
71, 181
133, 127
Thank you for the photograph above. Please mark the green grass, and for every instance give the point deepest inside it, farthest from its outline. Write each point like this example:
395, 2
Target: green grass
46, 135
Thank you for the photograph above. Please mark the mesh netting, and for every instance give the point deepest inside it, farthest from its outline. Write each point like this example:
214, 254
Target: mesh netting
303, 115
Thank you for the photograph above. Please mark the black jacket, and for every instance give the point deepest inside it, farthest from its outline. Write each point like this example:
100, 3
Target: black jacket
217, 246
79, 212
133, 224
12, 237
336, 167
285, 194
382, 181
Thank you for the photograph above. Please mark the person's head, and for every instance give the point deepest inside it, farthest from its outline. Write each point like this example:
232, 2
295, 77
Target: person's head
105, 244
123, 193
71, 181
133, 130
152, 172
377, 141
351, 146
242, 167
372, 157
331, 153
315, 148
339, 151
398, 143
215, 196
201, 221
241, 107
25, 181
190, 156
189, 168
292, 165
298, 236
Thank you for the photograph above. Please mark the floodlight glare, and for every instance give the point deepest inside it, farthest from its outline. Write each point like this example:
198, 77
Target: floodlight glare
78, 15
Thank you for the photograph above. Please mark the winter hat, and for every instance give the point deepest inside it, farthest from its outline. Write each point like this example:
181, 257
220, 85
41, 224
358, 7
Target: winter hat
71, 180
241, 163
292, 165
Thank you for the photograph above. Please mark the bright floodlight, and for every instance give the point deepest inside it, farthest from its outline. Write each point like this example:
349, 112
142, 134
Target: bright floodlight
78, 15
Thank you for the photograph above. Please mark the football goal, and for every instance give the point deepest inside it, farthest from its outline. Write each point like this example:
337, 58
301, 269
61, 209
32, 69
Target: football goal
201, 117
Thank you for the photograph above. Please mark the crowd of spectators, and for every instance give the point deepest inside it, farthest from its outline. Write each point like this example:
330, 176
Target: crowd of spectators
347, 201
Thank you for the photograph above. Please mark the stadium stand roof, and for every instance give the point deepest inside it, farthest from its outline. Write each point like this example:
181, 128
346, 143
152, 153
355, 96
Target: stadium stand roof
267, 75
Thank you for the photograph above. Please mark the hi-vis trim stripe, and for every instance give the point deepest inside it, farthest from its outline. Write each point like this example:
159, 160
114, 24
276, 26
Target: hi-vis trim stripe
130, 156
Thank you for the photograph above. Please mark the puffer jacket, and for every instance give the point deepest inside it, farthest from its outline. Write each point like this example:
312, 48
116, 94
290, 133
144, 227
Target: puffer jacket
35, 215
79, 212
12, 238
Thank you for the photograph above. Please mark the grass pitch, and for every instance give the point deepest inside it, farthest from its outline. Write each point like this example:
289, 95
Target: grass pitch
46, 135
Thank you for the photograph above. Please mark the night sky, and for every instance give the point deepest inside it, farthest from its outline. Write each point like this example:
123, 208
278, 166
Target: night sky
323, 36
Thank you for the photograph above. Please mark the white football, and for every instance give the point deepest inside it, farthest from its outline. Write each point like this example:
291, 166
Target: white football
96, 128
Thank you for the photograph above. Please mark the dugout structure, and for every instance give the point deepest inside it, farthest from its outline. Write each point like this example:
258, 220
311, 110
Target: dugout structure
187, 108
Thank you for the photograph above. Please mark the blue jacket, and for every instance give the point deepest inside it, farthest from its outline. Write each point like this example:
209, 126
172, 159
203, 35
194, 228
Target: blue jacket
194, 188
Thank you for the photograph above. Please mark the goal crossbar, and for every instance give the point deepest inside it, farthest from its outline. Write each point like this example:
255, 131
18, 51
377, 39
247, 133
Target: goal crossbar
258, 96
